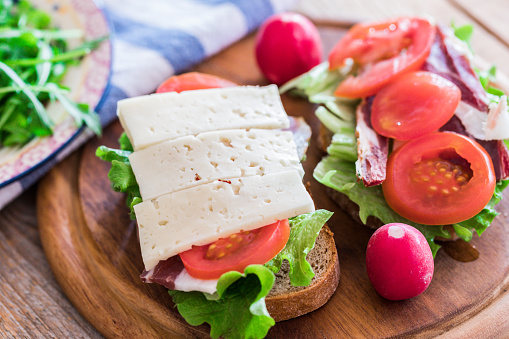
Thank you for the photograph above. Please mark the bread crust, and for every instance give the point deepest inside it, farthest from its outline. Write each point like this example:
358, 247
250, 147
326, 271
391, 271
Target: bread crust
297, 301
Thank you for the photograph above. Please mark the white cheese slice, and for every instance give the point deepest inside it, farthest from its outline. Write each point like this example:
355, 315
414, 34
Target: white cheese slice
174, 222
190, 161
154, 118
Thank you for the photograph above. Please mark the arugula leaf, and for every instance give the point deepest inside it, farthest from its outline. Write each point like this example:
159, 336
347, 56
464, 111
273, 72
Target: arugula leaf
18, 81
121, 174
304, 230
33, 61
238, 310
78, 52
80, 112
487, 79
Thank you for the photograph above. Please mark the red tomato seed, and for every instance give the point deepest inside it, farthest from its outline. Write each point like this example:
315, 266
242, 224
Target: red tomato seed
440, 176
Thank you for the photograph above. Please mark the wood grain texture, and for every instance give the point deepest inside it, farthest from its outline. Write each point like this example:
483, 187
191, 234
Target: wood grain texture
492, 16
92, 247
31, 302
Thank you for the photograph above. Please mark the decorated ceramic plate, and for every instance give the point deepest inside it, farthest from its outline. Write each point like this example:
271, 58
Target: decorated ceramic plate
88, 82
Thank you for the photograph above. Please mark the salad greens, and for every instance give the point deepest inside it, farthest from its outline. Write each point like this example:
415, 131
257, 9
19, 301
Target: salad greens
33, 61
337, 169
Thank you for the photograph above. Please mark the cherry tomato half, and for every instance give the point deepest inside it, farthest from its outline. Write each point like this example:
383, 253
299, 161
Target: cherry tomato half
383, 51
414, 104
192, 81
237, 251
439, 178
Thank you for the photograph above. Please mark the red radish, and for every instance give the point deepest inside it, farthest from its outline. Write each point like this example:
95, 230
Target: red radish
399, 261
287, 45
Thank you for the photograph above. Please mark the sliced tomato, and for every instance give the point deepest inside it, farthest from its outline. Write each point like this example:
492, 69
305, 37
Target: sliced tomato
413, 105
237, 251
382, 51
439, 178
191, 81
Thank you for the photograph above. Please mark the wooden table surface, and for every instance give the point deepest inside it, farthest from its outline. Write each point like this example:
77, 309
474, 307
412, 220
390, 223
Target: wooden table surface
33, 305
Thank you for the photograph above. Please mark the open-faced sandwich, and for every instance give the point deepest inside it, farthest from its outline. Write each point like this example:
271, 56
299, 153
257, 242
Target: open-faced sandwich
415, 129
225, 222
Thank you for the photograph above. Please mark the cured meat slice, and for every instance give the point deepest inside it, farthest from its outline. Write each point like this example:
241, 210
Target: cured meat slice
496, 148
450, 59
372, 148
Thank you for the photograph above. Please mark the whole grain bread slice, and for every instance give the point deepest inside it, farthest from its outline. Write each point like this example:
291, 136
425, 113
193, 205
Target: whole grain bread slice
286, 301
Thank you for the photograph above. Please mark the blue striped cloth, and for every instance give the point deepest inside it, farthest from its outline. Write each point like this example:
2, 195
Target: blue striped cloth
157, 38
153, 40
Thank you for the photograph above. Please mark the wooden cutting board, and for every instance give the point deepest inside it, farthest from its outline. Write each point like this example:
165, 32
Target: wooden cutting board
91, 245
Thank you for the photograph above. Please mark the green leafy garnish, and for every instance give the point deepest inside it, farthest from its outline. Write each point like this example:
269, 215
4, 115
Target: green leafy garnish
33, 61
237, 311
304, 230
121, 174
464, 33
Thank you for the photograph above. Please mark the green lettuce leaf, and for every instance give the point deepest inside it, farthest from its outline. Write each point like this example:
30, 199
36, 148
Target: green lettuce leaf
340, 119
238, 310
482, 220
304, 230
125, 143
121, 174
